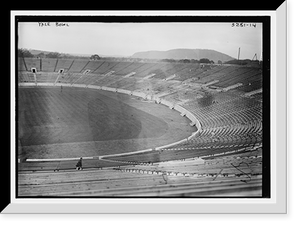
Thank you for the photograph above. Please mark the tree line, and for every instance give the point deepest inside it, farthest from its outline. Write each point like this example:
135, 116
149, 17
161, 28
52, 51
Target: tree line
24, 53
202, 60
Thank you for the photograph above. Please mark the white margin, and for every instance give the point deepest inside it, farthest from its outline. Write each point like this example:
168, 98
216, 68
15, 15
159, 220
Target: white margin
277, 203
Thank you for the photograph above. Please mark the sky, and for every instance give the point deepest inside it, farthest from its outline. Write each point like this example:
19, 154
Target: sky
125, 39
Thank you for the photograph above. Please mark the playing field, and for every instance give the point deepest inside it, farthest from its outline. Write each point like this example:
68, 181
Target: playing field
74, 122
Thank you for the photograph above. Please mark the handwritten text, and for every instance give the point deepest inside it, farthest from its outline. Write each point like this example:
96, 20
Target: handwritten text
56, 24
243, 25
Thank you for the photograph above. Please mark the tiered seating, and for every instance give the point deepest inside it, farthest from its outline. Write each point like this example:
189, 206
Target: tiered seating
252, 85
198, 166
147, 69
119, 68
182, 152
133, 67
46, 77
87, 79
92, 65
245, 163
163, 70
165, 87
32, 63
227, 137
123, 83
217, 73
226, 76
162, 73
63, 64
176, 68
106, 80
229, 113
242, 75
223, 158
189, 71
22, 65
26, 77
48, 64
78, 65
183, 93
230, 120
143, 85
67, 78
105, 67
179, 178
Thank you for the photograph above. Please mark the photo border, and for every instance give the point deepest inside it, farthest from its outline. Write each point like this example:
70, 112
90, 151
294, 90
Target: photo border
183, 205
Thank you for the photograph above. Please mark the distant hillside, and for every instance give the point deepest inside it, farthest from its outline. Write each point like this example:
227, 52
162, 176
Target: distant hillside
184, 54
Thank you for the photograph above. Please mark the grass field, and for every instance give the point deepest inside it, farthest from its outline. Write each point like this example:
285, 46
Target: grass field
74, 122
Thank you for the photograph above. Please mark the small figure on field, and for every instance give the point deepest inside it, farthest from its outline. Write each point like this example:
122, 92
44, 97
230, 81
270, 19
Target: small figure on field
79, 164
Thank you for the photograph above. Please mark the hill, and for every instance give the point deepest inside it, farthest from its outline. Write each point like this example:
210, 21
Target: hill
184, 54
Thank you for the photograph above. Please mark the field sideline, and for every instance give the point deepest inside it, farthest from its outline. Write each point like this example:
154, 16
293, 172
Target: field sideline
74, 122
